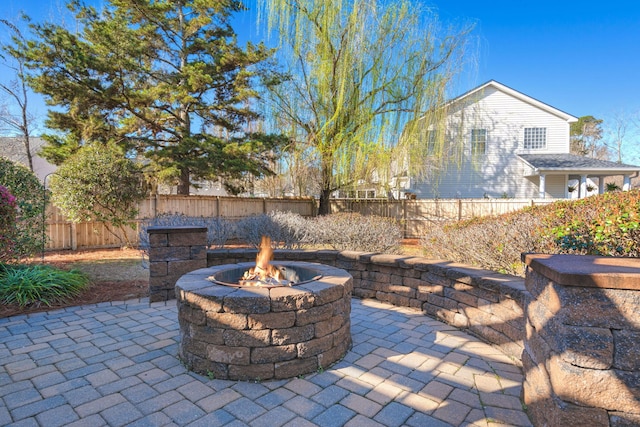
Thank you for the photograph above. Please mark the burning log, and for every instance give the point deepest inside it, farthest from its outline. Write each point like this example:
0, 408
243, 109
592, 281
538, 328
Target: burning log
266, 274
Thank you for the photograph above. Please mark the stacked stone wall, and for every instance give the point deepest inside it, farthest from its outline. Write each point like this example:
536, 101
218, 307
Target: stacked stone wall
486, 303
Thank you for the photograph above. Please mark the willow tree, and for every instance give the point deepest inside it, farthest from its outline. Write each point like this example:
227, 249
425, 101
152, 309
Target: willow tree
361, 73
165, 78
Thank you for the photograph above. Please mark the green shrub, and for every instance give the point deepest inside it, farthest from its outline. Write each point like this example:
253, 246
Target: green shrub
25, 285
606, 224
30, 204
99, 183
8, 230
355, 232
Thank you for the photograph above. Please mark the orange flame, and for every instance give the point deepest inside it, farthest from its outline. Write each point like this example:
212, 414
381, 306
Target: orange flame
263, 271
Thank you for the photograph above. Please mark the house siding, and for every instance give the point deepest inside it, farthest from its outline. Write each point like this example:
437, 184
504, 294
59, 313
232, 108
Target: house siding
499, 172
556, 186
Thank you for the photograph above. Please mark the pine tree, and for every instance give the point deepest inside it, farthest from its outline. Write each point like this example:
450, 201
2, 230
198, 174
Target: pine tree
163, 78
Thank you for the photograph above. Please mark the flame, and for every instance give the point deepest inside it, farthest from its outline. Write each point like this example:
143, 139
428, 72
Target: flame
264, 271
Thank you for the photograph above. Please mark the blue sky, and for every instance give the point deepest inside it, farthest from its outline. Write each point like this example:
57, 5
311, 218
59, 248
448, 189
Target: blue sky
578, 56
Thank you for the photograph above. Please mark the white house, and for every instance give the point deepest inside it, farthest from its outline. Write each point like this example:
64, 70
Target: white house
511, 145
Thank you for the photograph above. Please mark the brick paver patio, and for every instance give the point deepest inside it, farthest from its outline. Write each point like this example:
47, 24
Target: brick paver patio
115, 364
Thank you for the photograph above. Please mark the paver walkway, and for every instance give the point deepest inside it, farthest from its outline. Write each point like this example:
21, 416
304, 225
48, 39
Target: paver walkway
115, 364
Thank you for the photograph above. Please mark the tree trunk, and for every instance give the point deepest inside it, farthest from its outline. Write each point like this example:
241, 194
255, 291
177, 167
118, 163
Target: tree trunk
325, 207
184, 184
27, 148
327, 184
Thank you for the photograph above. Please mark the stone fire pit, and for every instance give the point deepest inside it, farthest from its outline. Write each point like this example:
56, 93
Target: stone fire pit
248, 332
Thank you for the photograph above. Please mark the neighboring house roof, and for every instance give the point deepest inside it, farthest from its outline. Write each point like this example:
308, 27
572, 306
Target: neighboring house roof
519, 95
13, 148
565, 162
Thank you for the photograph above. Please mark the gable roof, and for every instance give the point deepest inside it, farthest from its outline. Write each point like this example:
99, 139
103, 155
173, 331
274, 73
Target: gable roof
564, 162
518, 95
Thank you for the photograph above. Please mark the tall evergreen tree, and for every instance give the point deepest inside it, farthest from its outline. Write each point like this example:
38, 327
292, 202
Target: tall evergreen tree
585, 136
163, 77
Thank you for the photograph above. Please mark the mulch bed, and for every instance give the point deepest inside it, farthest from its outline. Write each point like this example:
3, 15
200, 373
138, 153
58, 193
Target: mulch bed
123, 265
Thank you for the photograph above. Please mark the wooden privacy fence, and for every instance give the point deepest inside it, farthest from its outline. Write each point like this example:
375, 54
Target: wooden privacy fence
415, 215
63, 234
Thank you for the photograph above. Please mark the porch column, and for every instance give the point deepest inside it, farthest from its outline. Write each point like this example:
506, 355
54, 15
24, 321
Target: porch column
583, 187
601, 184
626, 186
541, 189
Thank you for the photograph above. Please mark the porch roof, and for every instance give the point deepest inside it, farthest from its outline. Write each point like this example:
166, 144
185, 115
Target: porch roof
574, 164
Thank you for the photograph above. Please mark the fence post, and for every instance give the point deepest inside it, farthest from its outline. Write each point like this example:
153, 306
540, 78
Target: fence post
459, 209
404, 218
73, 236
154, 205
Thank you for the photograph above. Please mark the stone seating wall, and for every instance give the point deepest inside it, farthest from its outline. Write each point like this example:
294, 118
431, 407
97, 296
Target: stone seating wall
486, 303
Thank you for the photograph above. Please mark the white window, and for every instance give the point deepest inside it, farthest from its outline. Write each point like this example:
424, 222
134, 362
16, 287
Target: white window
478, 141
431, 142
366, 194
535, 138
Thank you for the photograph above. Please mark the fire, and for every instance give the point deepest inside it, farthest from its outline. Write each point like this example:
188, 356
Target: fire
264, 273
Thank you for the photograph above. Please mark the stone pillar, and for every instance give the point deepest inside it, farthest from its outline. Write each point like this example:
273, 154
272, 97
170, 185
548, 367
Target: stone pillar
582, 346
174, 251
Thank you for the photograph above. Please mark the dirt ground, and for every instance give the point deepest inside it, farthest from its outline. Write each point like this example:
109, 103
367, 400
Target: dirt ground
116, 275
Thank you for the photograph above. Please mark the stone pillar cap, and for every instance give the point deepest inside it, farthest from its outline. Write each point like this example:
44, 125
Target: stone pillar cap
174, 229
587, 270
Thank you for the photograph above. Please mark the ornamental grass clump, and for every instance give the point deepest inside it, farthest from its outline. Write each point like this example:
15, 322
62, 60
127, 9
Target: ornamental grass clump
356, 232
25, 285
287, 230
